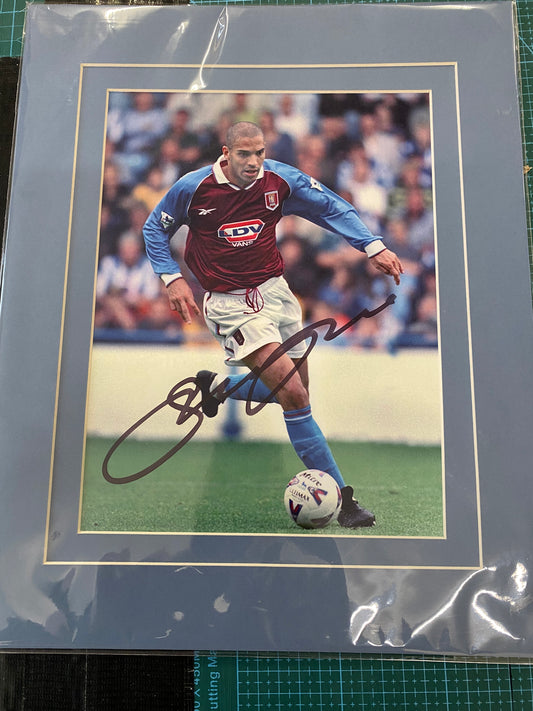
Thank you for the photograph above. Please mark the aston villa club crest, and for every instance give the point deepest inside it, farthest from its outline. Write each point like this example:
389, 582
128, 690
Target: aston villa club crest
272, 199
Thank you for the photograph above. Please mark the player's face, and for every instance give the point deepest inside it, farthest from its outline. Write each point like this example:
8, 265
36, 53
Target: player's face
245, 159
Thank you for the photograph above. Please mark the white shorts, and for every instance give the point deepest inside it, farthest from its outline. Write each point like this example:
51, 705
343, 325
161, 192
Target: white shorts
242, 325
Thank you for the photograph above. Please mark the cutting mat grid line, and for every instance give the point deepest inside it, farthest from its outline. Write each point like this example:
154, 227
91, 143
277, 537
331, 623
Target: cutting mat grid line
372, 682
316, 682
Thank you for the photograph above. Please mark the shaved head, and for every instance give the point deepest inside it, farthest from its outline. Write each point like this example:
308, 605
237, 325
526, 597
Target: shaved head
244, 153
242, 129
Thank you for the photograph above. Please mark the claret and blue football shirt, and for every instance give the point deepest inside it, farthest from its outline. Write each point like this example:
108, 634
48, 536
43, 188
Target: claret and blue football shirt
232, 231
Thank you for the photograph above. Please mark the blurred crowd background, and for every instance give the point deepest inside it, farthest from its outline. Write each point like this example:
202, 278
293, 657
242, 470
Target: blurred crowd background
372, 149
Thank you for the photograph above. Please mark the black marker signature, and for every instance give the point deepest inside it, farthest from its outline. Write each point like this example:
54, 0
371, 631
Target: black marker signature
184, 395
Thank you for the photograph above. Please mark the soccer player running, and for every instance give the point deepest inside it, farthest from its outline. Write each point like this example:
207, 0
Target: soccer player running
232, 209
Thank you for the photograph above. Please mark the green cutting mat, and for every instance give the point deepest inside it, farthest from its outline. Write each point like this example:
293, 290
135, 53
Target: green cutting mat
248, 681
11, 27
251, 682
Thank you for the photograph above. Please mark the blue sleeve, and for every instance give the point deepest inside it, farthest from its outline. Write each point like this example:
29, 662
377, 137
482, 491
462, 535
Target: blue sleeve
318, 204
167, 216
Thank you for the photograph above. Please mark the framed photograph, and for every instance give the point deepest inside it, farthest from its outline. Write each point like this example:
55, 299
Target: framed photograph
136, 520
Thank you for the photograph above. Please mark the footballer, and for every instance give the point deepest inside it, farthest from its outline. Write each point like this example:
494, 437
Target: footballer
232, 208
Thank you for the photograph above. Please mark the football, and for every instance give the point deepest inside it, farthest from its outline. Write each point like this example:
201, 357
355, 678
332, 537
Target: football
312, 499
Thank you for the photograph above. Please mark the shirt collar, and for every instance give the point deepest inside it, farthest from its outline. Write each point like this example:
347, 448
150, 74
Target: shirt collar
221, 178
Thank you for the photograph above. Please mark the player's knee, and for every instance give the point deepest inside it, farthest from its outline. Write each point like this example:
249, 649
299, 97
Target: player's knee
294, 395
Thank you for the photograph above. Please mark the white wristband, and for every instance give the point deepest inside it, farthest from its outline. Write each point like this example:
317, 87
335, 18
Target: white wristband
374, 248
167, 279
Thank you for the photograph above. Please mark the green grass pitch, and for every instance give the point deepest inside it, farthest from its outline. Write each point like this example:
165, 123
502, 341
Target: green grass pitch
238, 487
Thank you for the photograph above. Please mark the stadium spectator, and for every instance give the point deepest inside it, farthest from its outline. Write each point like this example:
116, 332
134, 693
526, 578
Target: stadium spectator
321, 310
243, 109
137, 214
168, 160
369, 197
420, 143
343, 106
204, 109
423, 331
280, 145
337, 144
301, 269
410, 178
125, 286
334, 129
213, 137
340, 292
425, 325
291, 119
383, 150
135, 133
419, 220
158, 317
190, 153
311, 157
114, 189
151, 190
345, 167
114, 218
397, 234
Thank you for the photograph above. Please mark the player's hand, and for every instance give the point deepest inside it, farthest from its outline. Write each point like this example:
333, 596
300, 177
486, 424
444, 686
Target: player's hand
182, 300
388, 263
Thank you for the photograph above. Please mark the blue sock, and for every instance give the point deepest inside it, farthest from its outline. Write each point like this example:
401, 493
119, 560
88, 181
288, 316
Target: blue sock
260, 391
310, 444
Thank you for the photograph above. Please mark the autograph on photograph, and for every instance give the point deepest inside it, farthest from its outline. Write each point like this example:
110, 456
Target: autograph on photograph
184, 396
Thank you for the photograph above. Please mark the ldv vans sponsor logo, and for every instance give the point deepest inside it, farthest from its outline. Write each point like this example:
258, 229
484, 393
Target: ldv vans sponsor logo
241, 234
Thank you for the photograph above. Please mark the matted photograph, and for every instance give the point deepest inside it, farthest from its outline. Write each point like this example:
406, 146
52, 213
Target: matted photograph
262, 323
279, 360
336, 183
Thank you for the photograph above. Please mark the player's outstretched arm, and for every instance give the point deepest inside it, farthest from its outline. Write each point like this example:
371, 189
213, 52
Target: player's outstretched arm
181, 299
388, 263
